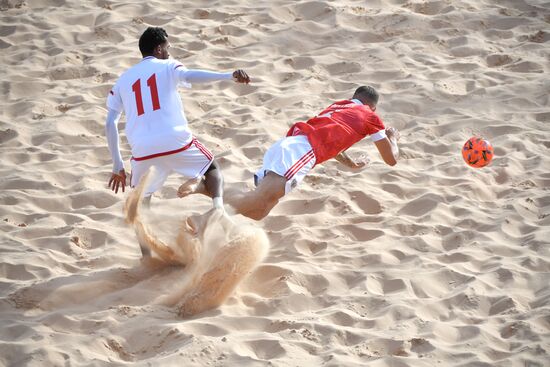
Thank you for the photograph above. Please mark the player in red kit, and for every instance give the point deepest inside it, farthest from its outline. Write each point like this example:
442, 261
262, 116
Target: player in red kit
309, 143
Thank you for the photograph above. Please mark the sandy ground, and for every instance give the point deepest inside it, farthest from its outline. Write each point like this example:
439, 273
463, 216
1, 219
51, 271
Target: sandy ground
428, 263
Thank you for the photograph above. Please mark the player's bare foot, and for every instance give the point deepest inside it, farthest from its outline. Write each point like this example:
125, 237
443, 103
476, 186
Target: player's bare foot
192, 186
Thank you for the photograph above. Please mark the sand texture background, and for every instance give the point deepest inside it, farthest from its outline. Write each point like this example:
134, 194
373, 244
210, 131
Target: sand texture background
428, 263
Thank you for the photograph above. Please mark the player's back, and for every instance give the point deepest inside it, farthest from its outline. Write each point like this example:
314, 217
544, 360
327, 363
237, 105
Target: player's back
155, 121
337, 128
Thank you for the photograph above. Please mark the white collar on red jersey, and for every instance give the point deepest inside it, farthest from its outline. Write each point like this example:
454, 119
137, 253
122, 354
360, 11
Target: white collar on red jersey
355, 100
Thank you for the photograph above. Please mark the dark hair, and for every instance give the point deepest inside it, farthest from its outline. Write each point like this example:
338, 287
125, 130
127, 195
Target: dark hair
367, 94
150, 39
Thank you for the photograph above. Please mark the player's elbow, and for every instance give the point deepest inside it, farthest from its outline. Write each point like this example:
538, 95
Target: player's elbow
388, 151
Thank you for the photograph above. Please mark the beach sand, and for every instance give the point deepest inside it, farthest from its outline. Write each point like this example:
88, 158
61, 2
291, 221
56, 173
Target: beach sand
428, 263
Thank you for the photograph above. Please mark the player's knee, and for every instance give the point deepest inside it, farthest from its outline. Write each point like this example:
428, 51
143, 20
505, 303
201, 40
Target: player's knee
256, 215
213, 169
268, 204
260, 210
214, 175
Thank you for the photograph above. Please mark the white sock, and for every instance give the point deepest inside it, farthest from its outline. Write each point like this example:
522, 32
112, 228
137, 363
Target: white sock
218, 202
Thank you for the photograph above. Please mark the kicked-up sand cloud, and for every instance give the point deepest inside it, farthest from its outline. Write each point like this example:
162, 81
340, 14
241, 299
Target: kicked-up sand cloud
216, 252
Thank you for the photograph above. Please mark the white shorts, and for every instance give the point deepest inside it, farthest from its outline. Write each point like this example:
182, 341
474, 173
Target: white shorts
191, 161
291, 157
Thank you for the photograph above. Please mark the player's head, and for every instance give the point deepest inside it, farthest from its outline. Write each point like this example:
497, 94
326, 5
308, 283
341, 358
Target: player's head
154, 42
368, 95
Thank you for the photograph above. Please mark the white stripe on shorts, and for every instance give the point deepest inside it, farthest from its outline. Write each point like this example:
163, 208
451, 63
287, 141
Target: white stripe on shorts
299, 164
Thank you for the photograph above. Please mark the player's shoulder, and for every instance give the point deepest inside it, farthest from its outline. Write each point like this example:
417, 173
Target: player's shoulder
148, 66
376, 121
344, 102
155, 63
169, 63
132, 71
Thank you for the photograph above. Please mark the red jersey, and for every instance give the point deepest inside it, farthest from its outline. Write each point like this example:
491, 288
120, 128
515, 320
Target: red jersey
337, 128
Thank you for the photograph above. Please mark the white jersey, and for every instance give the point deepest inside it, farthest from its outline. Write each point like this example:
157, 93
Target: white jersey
155, 120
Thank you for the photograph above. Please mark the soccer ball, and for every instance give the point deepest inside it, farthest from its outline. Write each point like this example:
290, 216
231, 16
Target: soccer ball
477, 152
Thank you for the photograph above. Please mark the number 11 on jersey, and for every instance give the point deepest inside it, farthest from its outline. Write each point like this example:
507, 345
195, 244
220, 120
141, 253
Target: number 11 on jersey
152, 84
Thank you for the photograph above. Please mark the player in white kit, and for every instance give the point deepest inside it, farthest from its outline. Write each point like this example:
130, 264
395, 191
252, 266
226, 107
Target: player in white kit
156, 126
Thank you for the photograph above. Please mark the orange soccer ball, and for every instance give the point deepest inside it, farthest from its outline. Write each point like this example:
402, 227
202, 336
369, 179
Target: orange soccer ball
477, 152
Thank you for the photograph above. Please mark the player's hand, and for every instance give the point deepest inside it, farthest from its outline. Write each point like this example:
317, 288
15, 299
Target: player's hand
392, 133
359, 162
240, 76
118, 181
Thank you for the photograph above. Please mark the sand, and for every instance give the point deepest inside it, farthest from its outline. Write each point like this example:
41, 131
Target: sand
428, 263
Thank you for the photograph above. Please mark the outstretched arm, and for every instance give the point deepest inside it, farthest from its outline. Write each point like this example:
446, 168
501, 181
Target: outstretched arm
118, 177
388, 146
204, 76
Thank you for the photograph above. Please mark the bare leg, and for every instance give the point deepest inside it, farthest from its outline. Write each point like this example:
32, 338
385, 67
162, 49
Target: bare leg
255, 204
132, 210
258, 203
211, 185
192, 186
213, 181
145, 251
